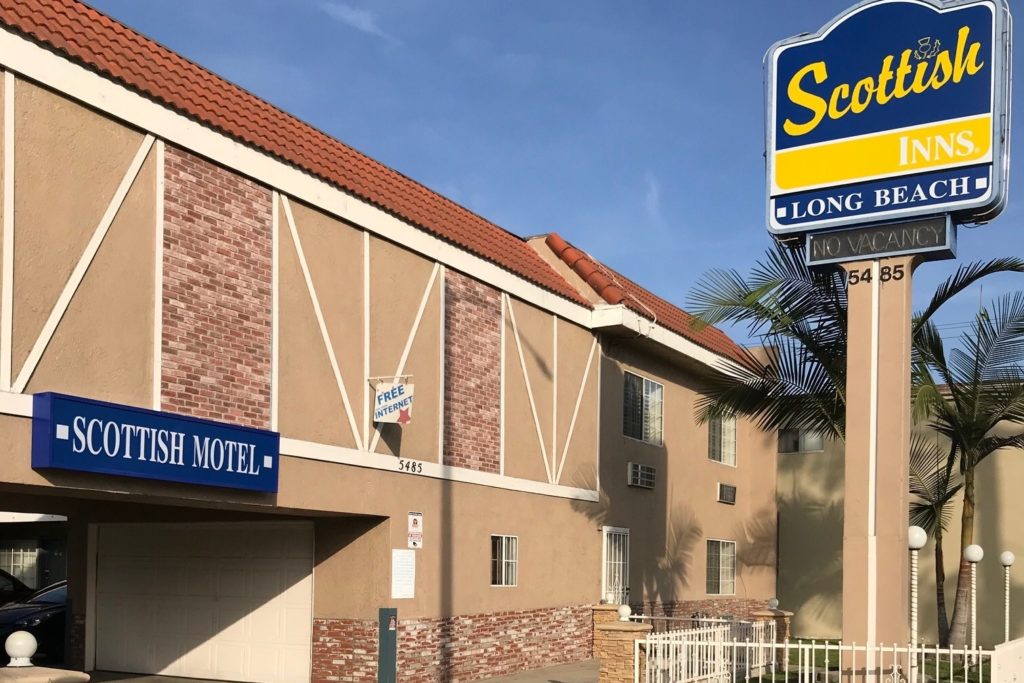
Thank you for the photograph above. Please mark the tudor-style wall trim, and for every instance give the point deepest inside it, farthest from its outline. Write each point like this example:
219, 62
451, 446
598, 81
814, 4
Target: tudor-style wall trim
36, 63
39, 64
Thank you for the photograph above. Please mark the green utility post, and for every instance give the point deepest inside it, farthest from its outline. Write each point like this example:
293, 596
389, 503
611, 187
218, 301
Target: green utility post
387, 646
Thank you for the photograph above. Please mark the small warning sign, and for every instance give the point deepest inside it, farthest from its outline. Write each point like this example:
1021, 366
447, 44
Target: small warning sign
416, 530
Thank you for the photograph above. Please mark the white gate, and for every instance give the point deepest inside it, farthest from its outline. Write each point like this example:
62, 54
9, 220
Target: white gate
615, 572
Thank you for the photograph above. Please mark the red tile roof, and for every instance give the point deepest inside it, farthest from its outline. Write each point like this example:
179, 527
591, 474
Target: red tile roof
616, 288
116, 51
108, 47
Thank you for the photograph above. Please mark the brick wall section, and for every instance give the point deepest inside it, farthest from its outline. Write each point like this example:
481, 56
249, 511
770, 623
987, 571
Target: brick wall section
472, 376
217, 293
344, 650
75, 656
454, 649
469, 648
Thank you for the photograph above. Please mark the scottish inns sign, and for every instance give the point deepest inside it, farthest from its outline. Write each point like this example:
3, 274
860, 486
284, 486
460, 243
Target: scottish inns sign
897, 108
92, 436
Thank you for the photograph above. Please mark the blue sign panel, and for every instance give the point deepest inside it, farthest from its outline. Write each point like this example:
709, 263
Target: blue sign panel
896, 109
72, 433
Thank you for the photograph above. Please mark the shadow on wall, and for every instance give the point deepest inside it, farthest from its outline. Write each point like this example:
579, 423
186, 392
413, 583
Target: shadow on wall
810, 574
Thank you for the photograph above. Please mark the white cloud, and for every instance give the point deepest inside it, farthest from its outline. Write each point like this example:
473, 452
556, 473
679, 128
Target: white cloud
360, 19
652, 200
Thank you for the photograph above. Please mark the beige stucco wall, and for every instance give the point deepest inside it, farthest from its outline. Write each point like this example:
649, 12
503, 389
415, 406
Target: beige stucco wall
810, 526
69, 162
556, 363
669, 525
810, 499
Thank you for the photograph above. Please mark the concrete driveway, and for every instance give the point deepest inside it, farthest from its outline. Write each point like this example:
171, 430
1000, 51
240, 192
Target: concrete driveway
580, 672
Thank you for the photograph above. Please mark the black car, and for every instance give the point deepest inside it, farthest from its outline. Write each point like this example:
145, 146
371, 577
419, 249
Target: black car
12, 589
42, 614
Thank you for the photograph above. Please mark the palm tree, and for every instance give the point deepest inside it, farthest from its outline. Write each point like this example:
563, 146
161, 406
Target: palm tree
799, 315
974, 396
934, 485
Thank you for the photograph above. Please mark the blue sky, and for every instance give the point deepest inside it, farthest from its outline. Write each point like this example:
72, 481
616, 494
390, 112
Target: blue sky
634, 129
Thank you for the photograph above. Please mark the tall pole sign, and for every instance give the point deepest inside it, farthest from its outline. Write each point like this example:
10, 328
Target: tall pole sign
885, 130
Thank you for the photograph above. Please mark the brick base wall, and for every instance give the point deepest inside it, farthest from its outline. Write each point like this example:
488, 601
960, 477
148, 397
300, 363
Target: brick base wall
740, 608
453, 649
74, 657
344, 650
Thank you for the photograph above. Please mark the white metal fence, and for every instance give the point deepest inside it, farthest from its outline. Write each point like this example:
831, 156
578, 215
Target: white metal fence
711, 655
702, 651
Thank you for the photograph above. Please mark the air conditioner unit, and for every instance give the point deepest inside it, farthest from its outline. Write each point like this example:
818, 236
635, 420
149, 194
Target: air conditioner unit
641, 476
726, 494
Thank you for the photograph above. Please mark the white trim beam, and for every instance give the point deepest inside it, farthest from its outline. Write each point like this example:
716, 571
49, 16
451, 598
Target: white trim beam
7, 266
529, 388
324, 333
158, 279
275, 309
408, 343
576, 411
349, 456
78, 274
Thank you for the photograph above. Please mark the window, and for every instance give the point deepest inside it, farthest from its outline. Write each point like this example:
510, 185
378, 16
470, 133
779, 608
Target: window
18, 558
641, 409
722, 440
504, 560
726, 494
721, 567
800, 441
615, 577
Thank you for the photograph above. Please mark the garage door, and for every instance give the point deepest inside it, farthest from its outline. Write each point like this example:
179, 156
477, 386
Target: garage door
224, 601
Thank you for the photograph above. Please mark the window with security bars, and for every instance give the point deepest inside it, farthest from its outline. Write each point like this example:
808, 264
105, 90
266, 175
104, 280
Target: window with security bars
722, 440
800, 441
19, 559
504, 560
721, 567
642, 409
615, 578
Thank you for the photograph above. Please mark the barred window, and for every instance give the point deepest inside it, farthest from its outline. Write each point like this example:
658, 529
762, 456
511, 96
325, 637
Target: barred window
721, 567
722, 440
642, 409
504, 560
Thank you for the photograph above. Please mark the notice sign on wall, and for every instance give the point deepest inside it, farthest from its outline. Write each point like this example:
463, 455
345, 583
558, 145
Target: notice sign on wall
72, 433
392, 402
896, 109
403, 574
416, 530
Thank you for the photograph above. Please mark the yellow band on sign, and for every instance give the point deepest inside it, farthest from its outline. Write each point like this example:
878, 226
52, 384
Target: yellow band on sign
941, 145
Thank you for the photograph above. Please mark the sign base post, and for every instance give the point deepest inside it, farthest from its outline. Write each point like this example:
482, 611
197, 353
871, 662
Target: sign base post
878, 422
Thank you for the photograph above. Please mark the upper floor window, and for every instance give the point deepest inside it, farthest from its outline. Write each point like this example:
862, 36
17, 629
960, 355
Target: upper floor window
642, 409
721, 567
722, 440
800, 441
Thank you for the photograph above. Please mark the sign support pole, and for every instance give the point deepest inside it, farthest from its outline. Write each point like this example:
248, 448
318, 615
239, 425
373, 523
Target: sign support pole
875, 564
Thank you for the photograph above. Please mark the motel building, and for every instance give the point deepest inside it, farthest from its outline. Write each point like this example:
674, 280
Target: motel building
256, 387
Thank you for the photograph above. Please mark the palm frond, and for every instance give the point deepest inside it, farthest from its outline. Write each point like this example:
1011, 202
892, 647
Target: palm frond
964, 277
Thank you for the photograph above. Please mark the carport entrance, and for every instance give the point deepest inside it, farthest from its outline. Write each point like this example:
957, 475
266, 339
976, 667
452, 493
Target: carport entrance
224, 601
